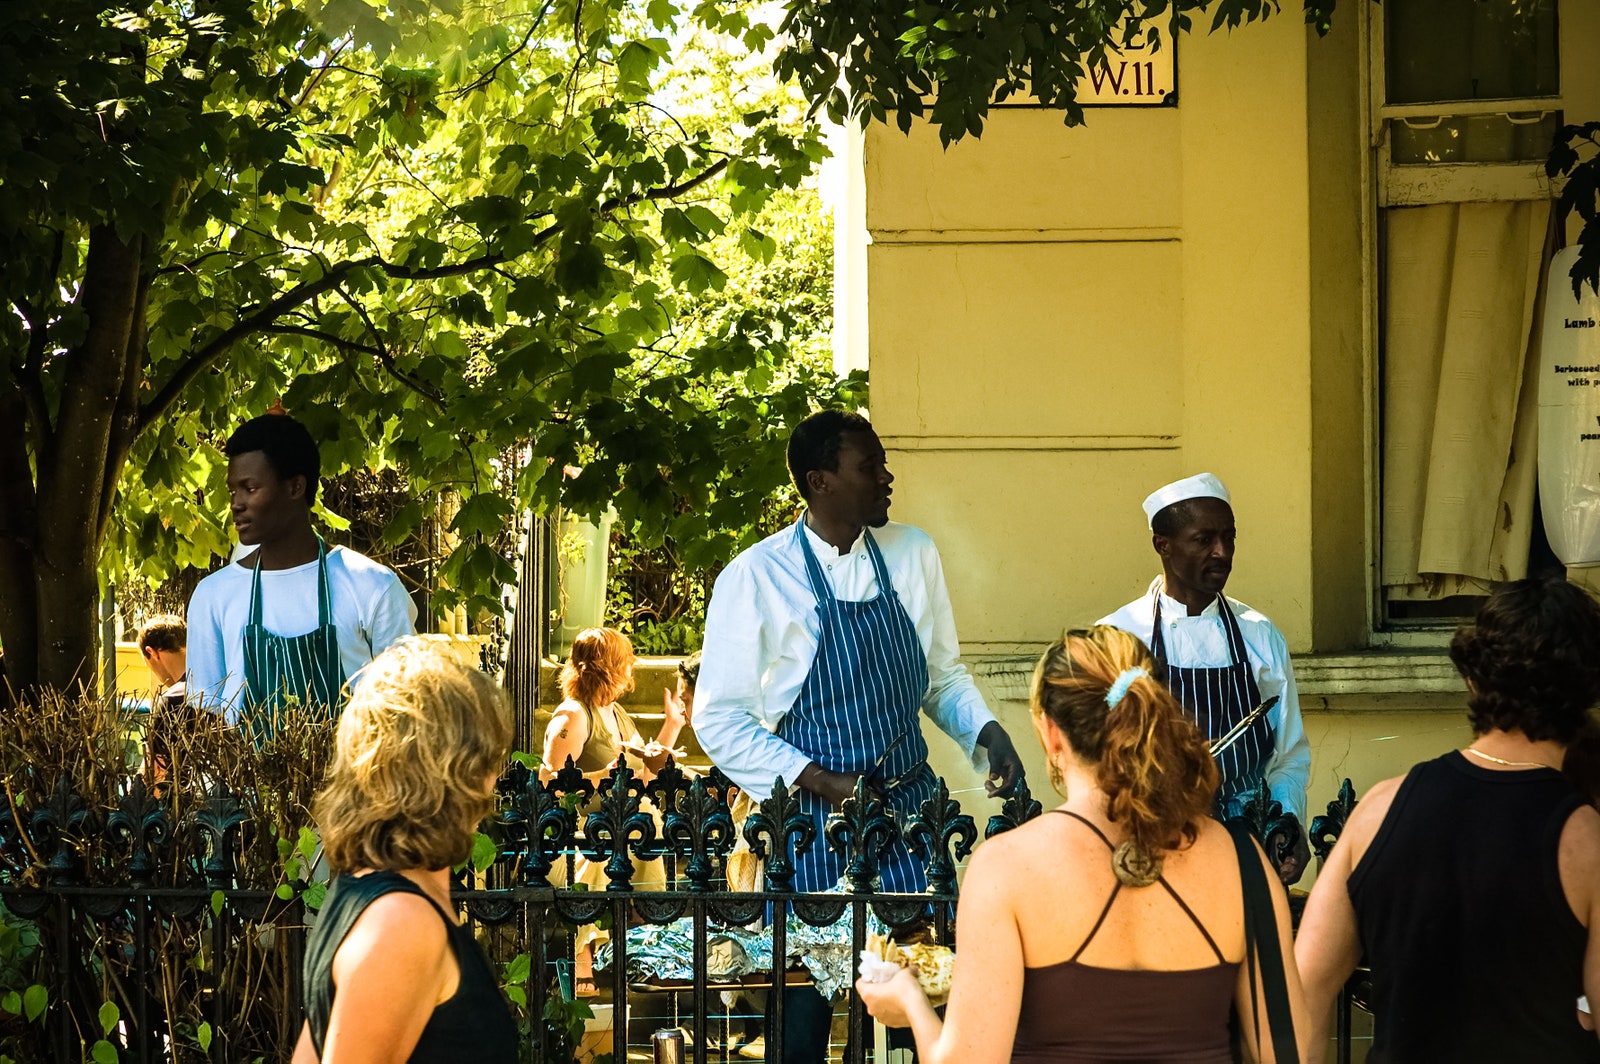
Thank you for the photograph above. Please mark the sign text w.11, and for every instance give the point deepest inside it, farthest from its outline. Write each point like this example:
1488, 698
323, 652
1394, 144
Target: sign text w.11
1137, 74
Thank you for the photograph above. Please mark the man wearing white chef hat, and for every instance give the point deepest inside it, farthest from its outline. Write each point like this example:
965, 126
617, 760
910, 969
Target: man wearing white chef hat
1221, 658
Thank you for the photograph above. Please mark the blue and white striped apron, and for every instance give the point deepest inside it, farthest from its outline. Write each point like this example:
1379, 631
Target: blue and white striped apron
1217, 699
862, 697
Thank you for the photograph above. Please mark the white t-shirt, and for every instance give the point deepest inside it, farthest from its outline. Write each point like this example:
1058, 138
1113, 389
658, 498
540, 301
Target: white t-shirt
370, 611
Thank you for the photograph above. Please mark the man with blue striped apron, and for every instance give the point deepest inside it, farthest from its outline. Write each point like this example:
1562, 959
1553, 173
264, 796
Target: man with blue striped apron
824, 645
1220, 658
293, 618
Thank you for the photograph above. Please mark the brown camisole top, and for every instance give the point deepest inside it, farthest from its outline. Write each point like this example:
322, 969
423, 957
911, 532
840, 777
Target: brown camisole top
1076, 1013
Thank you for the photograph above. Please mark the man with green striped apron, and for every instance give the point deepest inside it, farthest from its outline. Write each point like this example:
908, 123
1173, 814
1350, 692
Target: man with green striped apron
293, 618
824, 645
1220, 657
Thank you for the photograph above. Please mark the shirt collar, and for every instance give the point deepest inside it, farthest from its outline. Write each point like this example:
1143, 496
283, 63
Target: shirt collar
1172, 609
824, 550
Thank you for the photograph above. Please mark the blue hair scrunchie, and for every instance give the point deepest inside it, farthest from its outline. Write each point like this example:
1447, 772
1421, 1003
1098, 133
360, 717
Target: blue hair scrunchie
1124, 680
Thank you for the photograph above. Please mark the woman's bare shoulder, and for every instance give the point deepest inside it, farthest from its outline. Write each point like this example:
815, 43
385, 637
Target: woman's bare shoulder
401, 928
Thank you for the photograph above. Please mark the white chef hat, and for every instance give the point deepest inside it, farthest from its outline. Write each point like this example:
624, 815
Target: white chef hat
1199, 486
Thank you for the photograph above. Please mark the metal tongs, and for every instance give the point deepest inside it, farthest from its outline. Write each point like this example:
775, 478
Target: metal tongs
1233, 733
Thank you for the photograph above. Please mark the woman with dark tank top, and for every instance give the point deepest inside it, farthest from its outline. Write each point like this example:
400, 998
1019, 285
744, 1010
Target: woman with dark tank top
390, 975
1112, 930
1471, 885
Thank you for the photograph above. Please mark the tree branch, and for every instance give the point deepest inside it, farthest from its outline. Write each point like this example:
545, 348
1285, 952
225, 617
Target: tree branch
379, 353
259, 319
30, 381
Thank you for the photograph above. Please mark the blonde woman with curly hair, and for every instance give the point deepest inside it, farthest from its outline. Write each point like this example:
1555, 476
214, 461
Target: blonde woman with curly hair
1115, 929
390, 975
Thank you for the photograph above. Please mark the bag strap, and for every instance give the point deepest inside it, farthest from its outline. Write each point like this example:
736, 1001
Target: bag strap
1261, 943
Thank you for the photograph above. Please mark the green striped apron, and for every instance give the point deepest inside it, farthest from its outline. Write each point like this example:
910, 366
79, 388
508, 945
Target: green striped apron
306, 668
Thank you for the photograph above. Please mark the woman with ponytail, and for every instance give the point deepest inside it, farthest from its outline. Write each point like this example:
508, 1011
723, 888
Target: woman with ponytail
1114, 930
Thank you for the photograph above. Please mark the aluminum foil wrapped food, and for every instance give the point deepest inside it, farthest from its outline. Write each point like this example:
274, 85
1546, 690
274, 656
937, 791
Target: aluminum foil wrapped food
931, 963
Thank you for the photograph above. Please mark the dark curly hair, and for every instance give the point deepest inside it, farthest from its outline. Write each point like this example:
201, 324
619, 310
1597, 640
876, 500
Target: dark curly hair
815, 444
1532, 659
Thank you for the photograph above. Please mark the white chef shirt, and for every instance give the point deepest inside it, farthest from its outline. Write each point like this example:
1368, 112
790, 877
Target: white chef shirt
370, 611
762, 629
1201, 642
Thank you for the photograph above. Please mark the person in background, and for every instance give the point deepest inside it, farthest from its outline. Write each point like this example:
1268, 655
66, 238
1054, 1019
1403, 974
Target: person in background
678, 701
591, 729
294, 618
825, 644
163, 643
1471, 884
1067, 951
390, 974
1220, 657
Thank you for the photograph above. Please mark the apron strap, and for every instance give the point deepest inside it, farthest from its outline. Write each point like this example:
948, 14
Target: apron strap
255, 590
819, 583
324, 593
880, 568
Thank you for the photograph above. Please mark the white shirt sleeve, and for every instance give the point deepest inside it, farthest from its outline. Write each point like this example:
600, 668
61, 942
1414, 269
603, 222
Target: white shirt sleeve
728, 707
952, 701
1288, 770
207, 671
392, 616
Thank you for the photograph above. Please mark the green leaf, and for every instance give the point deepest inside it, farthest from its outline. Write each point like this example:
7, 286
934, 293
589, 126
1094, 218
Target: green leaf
313, 895
284, 891
484, 851
697, 273
217, 901
109, 1015
34, 1000
484, 514
12, 1003
519, 968
103, 1052
202, 1034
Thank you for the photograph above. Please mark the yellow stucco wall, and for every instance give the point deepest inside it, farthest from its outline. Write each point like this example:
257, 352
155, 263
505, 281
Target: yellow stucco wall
1061, 320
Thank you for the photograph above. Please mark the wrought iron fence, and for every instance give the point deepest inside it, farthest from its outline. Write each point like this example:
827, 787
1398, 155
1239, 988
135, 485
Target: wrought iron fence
153, 946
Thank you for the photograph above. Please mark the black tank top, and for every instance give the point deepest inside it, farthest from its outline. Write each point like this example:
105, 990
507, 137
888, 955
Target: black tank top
474, 1025
1074, 1013
1475, 953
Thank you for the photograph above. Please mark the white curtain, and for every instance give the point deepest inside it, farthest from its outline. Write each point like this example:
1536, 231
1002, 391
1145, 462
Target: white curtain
1460, 407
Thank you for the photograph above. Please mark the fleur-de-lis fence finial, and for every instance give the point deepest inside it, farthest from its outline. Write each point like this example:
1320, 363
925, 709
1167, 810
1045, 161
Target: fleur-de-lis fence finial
619, 825
700, 829
59, 828
668, 787
1019, 808
862, 832
539, 826
220, 823
1326, 829
142, 825
939, 825
776, 831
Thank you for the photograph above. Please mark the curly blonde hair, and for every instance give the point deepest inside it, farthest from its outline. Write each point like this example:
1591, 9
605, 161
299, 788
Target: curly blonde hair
1151, 761
419, 745
599, 668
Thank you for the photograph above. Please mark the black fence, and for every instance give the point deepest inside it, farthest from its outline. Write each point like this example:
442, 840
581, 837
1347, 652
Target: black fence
134, 935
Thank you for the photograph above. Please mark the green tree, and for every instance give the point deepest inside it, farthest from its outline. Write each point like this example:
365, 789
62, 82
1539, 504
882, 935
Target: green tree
435, 230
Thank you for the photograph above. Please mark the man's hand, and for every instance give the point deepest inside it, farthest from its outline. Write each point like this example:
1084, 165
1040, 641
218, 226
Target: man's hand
834, 787
1293, 864
1004, 764
675, 712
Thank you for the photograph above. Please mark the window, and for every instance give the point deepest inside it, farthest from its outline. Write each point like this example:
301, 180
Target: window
1466, 101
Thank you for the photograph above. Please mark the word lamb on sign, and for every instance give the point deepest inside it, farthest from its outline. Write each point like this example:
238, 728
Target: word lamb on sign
1133, 76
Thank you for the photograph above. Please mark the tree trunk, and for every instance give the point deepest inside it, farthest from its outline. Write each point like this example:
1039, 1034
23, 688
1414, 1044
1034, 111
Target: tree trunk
19, 633
78, 473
